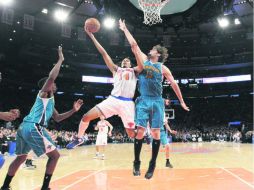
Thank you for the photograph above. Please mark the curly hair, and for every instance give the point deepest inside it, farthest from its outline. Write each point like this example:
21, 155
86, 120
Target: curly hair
163, 51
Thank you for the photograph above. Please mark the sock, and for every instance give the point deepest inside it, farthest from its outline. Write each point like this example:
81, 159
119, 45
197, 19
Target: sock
27, 162
82, 128
155, 149
46, 181
7, 181
137, 149
97, 153
167, 160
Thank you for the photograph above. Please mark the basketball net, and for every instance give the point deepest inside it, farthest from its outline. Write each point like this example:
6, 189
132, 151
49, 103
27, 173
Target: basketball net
152, 10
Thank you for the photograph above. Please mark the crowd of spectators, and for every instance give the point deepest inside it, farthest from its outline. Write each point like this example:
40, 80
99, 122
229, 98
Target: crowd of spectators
207, 121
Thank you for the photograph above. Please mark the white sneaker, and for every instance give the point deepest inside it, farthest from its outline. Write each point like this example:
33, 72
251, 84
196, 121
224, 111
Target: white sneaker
96, 157
103, 157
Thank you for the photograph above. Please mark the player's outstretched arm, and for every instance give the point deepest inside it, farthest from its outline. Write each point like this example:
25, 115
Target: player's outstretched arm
131, 39
54, 72
110, 64
7, 116
60, 117
169, 129
174, 85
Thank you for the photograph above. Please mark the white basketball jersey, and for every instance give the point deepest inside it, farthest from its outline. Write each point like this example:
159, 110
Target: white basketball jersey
125, 81
102, 127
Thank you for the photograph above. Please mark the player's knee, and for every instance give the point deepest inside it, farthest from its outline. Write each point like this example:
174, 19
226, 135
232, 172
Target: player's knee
86, 118
57, 155
54, 155
156, 135
130, 133
140, 133
21, 159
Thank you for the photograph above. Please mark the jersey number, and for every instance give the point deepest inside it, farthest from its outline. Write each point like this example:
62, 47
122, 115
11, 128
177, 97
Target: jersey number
149, 74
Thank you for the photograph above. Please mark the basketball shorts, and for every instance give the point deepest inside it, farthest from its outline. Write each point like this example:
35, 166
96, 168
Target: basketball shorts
102, 139
123, 108
31, 136
163, 137
149, 109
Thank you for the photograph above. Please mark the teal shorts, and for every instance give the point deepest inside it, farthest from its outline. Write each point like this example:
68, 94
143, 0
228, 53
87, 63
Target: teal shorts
163, 137
31, 136
149, 109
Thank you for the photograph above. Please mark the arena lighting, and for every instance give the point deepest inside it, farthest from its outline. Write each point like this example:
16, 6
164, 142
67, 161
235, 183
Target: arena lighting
61, 15
223, 22
78, 94
210, 80
6, 2
109, 22
44, 10
237, 21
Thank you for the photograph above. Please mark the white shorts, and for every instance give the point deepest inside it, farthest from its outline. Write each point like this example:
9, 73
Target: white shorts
102, 139
124, 109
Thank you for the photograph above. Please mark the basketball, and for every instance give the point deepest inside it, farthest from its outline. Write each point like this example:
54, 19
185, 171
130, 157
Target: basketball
92, 24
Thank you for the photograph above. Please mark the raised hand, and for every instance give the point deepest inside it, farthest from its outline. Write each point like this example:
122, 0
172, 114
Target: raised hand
60, 53
90, 34
7, 116
122, 25
185, 107
77, 105
173, 132
16, 112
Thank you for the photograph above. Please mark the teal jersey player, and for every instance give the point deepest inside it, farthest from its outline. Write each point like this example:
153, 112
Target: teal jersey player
32, 133
150, 105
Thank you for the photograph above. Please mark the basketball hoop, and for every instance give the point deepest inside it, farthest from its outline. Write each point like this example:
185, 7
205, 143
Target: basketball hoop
152, 10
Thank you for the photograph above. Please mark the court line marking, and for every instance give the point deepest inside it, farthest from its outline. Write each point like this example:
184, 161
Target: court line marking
236, 176
76, 182
204, 176
38, 186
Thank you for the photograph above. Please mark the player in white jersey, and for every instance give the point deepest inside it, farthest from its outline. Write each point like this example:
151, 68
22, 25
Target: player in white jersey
102, 137
120, 101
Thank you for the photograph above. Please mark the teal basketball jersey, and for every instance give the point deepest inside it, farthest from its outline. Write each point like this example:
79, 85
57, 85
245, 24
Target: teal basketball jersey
41, 111
150, 79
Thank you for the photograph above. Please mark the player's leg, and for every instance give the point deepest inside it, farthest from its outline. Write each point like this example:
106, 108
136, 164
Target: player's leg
156, 122
167, 148
43, 144
141, 119
164, 143
22, 150
29, 161
90, 115
97, 146
107, 108
102, 149
97, 149
13, 168
53, 157
127, 112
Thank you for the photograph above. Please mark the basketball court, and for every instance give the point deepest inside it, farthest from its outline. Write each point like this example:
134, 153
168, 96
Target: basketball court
198, 166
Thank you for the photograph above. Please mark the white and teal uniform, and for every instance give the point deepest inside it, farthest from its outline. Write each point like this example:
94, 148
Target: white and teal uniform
31, 133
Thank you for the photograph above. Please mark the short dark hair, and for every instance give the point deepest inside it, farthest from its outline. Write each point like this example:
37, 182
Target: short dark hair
41, 82
163, 51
